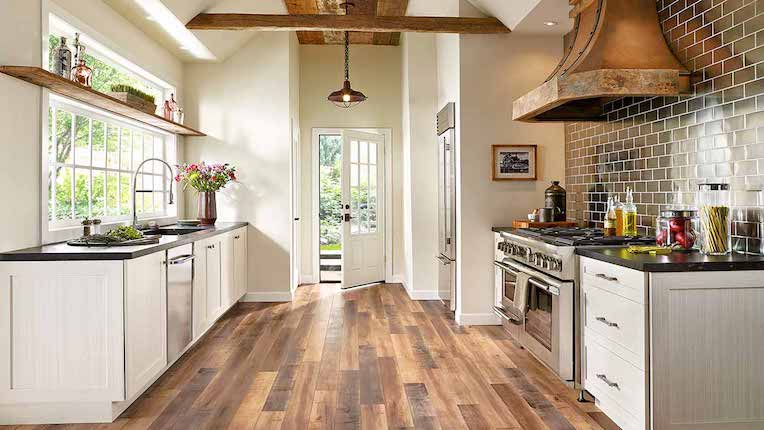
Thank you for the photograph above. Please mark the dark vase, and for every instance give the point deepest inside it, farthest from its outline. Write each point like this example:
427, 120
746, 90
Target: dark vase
207, 208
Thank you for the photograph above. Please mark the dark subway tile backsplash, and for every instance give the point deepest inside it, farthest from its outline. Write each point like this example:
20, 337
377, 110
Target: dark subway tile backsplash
658, 145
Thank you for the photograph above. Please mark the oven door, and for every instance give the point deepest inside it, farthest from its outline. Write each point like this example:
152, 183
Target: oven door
505, 284
549, 324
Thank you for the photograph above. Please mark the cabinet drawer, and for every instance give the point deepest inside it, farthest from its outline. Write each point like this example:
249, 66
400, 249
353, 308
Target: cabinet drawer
616, 279
616, 322
618, 386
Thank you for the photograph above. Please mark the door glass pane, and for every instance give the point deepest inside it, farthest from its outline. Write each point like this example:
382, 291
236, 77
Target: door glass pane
538, 318
112, 148
364, 152
81, 143
353, 151
372, 153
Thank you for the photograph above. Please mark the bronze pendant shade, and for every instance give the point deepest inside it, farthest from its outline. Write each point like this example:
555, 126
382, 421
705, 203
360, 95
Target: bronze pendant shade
347, 97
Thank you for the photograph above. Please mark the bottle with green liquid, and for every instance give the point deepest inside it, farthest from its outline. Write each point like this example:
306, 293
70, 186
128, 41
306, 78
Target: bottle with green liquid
629, 215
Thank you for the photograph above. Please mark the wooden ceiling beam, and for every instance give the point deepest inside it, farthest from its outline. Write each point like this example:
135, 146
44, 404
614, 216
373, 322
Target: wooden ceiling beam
374, 24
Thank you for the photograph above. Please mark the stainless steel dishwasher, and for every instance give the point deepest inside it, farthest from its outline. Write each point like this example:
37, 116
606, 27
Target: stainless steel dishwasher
180, 299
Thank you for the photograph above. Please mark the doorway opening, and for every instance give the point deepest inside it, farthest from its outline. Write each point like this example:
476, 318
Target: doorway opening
330, 207
350, 213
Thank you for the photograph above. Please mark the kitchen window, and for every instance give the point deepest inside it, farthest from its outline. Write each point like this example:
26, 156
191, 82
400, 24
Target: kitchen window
91, 161
91, 155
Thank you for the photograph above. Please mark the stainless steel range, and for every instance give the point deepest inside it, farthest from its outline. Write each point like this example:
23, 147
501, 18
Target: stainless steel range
537, 292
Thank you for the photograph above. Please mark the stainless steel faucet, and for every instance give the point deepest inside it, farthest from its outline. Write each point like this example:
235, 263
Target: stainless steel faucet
135, 190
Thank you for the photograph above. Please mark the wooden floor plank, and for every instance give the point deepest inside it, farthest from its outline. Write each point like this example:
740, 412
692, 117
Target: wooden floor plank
368, 358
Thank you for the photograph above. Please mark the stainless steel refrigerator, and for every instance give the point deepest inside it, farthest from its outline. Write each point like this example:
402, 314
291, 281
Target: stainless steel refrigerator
447, 205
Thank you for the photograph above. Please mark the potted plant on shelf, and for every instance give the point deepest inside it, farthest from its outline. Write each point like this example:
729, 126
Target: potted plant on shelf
206, 179
134, 97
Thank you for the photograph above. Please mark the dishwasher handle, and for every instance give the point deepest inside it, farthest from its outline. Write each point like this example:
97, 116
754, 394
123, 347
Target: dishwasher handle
180, 259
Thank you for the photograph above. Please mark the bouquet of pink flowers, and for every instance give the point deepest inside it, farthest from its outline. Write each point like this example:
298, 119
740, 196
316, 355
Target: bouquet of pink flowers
205, 177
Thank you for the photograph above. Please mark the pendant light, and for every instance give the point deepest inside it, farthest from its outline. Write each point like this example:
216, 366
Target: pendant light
347, 97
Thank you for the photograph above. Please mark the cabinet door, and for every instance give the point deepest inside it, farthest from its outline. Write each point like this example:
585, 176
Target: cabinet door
201, 322
227, 278
145, 321
61, 332
240, 262
213, 278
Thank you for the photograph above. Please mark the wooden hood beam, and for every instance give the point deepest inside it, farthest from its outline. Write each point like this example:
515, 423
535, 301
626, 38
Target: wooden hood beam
366, 23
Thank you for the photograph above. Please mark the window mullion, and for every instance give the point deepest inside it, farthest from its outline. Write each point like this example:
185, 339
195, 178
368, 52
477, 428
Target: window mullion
54, 163
72, 150
119, 175
90, 171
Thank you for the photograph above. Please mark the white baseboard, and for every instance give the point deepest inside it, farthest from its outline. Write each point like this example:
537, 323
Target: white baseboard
308, 279
268, 297
396, 279
423, 295
478, 319
56, 413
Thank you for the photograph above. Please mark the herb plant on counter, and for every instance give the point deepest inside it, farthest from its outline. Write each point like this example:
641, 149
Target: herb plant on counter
205, 177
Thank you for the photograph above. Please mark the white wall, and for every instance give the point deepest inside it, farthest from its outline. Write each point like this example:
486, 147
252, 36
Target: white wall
21, 43
420, 165
376, 71
494, 71
243, 105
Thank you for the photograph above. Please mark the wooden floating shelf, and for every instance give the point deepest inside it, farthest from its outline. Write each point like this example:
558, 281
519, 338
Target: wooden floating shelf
65, 87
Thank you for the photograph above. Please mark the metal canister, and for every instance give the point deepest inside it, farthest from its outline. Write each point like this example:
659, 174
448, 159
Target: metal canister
556, 197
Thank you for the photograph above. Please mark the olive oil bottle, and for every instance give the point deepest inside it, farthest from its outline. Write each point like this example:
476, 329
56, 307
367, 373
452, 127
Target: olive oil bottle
629, 215
610, 218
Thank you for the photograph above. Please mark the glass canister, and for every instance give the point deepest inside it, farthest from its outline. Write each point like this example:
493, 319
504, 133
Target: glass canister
678, 229
714, 201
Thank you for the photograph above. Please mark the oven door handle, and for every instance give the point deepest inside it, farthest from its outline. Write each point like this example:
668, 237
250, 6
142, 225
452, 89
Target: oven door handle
506, 267
551, 289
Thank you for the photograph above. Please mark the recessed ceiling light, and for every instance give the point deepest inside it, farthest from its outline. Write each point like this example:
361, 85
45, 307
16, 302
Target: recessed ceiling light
550, 23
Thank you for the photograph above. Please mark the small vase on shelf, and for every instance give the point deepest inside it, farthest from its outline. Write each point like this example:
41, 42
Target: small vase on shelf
207, 212
82, 74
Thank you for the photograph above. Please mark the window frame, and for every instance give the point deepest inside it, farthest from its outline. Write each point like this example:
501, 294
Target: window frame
59, 103
56, 18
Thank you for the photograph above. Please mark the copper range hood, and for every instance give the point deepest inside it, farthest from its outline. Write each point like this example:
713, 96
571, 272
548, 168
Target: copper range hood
616, 49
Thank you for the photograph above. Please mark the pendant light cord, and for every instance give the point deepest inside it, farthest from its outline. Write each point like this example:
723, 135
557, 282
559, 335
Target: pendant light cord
347, 55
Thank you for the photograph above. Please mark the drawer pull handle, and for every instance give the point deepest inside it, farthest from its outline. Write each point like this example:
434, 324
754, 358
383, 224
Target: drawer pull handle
609, 383
237, 237
606, 277
603, 320
210, 246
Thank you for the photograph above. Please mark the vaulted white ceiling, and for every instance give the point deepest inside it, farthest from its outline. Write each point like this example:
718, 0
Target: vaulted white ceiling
522, 16
221, 43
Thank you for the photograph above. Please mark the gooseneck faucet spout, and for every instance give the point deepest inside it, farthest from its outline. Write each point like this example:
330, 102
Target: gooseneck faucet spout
135, 183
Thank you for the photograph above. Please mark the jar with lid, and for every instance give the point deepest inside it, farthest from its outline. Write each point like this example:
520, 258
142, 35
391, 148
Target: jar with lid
714, 201
678, 229
556, 197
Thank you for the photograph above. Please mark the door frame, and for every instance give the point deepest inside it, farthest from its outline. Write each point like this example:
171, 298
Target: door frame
387, 133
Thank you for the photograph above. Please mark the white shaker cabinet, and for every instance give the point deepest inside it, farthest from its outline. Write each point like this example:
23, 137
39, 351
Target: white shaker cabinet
145, 321
61, 333
240, 263
208, 302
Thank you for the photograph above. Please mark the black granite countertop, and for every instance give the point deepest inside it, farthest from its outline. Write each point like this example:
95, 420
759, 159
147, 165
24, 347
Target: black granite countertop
64, 252
502, 229
674, 262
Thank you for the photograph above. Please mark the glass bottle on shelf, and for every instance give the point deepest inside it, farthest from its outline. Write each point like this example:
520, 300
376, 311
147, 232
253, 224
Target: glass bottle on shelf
629, 227
82, 74
610, 218
170, 108
618, 207
78, 48
62, 60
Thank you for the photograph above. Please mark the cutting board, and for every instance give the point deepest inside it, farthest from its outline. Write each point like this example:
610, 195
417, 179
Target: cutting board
532, 224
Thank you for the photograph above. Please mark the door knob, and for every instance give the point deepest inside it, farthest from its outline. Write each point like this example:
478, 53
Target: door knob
348, 217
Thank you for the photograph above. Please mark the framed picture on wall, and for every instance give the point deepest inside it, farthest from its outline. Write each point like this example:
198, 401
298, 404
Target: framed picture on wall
514, 162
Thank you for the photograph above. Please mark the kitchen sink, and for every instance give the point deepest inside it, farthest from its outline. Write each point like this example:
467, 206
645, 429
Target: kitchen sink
173, 230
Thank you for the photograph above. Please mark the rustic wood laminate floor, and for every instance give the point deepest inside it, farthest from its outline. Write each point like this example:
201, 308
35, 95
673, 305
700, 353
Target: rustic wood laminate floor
368, 358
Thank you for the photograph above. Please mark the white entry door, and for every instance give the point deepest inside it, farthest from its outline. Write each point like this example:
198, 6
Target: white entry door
363, 232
